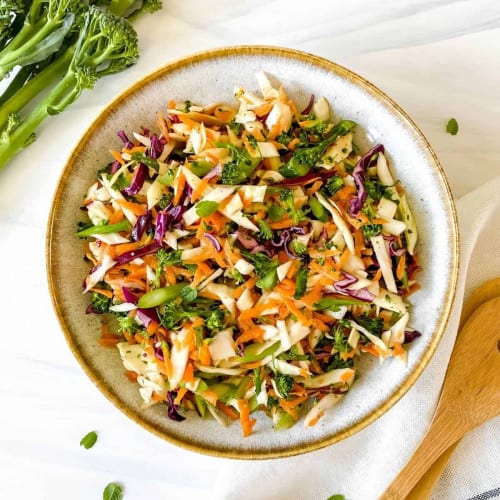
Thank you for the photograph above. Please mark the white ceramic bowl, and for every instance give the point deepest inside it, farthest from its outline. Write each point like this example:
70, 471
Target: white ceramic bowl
209, 77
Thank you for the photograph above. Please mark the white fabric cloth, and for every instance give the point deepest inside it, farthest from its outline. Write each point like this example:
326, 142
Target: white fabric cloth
362, 466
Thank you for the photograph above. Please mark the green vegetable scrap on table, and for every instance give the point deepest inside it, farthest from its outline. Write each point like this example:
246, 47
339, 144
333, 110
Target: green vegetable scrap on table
52, 50
89, 440
113, 491
452, 126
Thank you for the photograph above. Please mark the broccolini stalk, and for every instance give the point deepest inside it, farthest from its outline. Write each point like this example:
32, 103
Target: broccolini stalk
14, 101
106, 44
45, 27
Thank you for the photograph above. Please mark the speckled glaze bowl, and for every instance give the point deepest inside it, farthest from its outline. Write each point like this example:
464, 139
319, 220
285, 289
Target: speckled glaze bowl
209, 77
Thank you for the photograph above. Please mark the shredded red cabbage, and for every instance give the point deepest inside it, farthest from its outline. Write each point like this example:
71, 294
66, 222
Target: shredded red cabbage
161, 226
157, 146
362, 294
246, 240
172, 408
215, 172
134, 254
158, 352
213, 240
115, 166
411, 335
142, 224
126, 141
309, 106
366, 161
141, 173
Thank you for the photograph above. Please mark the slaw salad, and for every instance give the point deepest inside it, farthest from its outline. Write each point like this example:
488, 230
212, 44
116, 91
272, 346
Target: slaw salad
250, 255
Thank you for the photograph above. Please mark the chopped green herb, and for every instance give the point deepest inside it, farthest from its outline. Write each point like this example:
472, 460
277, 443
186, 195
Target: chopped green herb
89, 440
206, 208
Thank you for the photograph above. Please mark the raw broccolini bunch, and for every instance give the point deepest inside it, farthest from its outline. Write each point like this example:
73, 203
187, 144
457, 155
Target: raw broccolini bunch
59, 48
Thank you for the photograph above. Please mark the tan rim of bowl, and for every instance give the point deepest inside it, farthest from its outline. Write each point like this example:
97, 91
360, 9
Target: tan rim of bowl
454, 256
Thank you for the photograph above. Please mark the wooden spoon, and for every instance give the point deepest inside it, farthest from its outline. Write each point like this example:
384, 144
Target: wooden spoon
470, 395
425, 486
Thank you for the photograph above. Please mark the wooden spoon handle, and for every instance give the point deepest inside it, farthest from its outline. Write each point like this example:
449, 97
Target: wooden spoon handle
425, 486
442, 434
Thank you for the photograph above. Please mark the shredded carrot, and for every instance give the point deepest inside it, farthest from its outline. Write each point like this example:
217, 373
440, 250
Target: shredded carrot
209, 396
230, 412
117, 156
247, 423
400, 269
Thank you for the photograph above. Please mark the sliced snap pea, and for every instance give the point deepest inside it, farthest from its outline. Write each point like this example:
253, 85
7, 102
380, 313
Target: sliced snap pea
318, 210
160, 296
123, 225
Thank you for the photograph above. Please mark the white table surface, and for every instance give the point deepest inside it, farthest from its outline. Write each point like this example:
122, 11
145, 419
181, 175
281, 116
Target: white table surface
436, 58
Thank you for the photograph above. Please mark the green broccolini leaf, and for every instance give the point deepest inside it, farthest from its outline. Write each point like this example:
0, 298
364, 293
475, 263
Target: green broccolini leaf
89, 440
301, 282
188, 294
206, 208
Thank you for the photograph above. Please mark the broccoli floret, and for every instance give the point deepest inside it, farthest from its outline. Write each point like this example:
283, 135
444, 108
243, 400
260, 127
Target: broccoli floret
333, 184
288, 201
265, 232
340, 333
304, 158
126, 324
106, 44
100, 303
370, 230
215, 322
284, 384
240, 168
131, 8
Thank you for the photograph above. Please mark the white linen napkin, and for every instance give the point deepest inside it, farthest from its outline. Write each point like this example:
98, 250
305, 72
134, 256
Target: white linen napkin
362, 466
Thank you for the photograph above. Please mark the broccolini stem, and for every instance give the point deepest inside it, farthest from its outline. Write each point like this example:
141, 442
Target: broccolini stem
37, 84
22, 135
